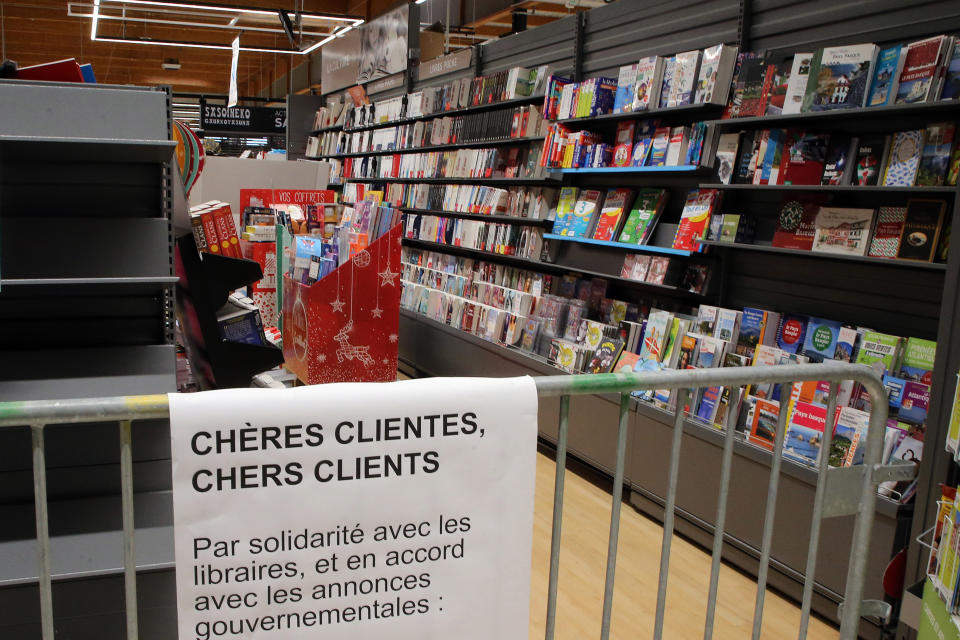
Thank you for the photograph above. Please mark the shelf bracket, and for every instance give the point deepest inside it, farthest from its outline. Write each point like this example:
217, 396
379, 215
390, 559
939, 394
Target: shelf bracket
871, 608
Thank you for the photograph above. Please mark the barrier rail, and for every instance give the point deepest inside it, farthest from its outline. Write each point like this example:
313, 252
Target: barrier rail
840, 491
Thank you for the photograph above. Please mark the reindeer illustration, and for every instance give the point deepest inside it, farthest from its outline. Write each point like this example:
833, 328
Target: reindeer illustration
349, 352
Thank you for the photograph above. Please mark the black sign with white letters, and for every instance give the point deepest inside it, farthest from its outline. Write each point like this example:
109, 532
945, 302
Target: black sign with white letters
215, 118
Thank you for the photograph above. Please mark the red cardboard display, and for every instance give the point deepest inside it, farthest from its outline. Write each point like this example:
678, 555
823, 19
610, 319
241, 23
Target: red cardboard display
344, 328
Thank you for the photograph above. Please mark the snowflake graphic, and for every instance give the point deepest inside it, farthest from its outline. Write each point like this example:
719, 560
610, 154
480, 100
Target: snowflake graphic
386, 361
392, 337
321, 357
377, 312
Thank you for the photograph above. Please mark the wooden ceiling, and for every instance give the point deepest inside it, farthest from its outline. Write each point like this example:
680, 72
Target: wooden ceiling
37, 31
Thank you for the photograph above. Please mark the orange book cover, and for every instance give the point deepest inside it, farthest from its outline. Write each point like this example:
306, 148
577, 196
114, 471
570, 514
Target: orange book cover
210, 231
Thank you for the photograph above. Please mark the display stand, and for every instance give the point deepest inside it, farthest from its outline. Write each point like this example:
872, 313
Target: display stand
344, 328
205, 283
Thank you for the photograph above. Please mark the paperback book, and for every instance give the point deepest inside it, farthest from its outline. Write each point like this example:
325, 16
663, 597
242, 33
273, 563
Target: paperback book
843, 230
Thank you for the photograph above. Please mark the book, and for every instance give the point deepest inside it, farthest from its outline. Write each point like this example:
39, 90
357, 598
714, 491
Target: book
777, 93
904, 159
918, 75
804, 433
886, 77
887, 232
757, 327
842, 77
708, 405
649, 80
611, 214
804, 158
666, 84
726, 156
914, 404
753, 86
935, 157
716, 72
676, 146
605, 355
763, 430
922, 225
791, 332
626, 362
843, 230
838, 165
626, 86
695, 218
879, 350
797, 83
820, 339
711, 352
639, 225
728, 324
659, 266
916, 364
871, 151
623, 148
658, 147
848, 431
797, 222
951, 80
655, 335
564, 213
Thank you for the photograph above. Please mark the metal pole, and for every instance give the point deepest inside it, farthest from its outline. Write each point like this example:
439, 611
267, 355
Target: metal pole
43, 531
682, 397
557, 517
615, 516
129, 552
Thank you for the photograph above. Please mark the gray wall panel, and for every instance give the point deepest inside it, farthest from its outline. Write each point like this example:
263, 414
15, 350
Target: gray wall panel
551, 44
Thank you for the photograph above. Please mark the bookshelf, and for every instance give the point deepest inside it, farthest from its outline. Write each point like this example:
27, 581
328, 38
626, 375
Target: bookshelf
515, 102
819, 255
626, 171
481, 216
897, 116
685, 112
639, 248
497, 142
829, 188
543, 182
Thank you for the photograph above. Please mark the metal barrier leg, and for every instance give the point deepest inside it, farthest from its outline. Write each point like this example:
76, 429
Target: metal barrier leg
682, 397
557, 517
817, 512
771, 512
729, 425
615, 516
43, 531
129, 552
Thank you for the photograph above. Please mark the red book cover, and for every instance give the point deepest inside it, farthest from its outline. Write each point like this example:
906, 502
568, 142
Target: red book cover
210, 231
695, 218
59, 71
226, 233
803, 158
796, 224
624, 144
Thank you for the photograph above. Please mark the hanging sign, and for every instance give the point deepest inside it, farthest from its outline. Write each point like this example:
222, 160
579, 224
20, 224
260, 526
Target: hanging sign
246, 120
446, 64
385, 84
393, 511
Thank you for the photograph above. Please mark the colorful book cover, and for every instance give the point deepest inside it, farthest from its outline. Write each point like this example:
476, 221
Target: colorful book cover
797, 222
709, 400
565, 206
706, 320
922, 226
695, 218
919, 72
878, 350
658, 147
805, 432
583, 214
935, 158
666, 84
684, 78
843, 77
904, 159
917, 362
779, 82
605, 356
626, 362
797, 83
726, 156
611, 213
915, 403
752, 326
791, 333
688, 349
755, 75
646, 92
886, 77
659, 265
846, 342
843, 230
626, 85
870, 152
728, 324
640, 222
623, 149
766, 415
711, 352
655, 335
837, 160
850, 428
820, 339
887, 232
644, 136
713, 80
804, 158
951, 81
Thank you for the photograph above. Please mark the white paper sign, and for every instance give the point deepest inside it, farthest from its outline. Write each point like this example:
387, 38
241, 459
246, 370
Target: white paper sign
345, 511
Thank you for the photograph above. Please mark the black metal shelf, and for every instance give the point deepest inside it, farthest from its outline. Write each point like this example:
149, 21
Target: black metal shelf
685, 111
498, 142
887, 262
828, 187
889, 113
333, 127
515, 102
508, 181
480, 216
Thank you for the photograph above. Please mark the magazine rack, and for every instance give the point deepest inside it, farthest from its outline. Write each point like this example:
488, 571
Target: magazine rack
344, 328
204, 287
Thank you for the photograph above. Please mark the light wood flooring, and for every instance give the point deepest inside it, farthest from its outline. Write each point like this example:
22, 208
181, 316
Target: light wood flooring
583, 552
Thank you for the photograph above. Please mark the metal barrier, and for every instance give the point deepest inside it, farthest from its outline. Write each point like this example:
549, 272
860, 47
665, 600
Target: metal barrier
839, 492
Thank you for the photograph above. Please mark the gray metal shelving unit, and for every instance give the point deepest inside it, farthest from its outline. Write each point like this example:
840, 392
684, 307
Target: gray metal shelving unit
86, 292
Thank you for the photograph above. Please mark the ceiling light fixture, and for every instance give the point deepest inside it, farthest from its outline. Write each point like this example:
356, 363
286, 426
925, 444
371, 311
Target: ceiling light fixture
193, 45
229, 9
96, 19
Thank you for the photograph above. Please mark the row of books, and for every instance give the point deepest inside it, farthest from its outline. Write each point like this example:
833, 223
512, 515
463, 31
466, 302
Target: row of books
494, 237
513, 301
943, 564
520, 122
636, 144
912, 232
664, 270
654, 82
492, 162
517, 82
919, 157
214, 229
535, 203
846, 77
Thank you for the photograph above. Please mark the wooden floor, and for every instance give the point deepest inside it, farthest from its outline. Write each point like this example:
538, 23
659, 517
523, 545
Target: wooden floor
586, 522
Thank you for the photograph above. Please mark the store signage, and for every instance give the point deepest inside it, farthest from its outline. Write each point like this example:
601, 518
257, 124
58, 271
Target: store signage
390, 82
446, 64
343, 511
247, 120
340, 62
